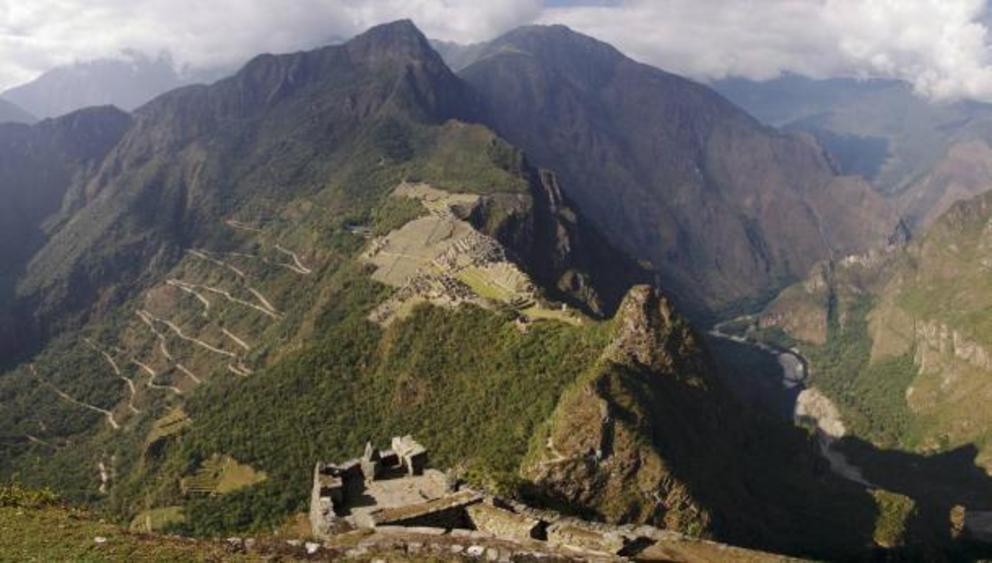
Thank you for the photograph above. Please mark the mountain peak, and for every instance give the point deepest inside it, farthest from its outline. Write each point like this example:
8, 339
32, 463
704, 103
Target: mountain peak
395, 41
126, 82
88, 133
645, 320
558, 42
403, 26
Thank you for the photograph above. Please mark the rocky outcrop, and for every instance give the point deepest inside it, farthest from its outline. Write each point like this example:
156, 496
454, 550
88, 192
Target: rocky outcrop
813, 404
608, 445
557, 245
936, 342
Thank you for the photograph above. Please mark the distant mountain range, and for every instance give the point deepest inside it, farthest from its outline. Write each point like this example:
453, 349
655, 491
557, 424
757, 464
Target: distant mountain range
10, 113
923, 155
126, 82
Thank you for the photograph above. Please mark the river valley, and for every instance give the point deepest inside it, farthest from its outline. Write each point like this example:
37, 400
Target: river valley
804, 403
939, 482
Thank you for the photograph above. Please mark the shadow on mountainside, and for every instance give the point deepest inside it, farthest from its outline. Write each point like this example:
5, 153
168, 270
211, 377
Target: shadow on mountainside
18, 332
939, 484
805, 509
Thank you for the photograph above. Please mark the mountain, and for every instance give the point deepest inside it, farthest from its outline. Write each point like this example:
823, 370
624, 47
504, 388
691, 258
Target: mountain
330, 247
125, 82
39, 166
899, 341
923, 155
40, 162
908, 323
324, 237
726, 209
456, 55
10, 113
651, 434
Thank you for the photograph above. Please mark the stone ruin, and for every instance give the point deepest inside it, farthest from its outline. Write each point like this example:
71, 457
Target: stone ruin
412, 455
385, 487
437, 288
392, 490
473, 249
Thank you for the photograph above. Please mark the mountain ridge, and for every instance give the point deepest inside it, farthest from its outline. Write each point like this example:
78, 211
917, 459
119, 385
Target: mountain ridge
11, 113
40, 167
226, 240
328, 248
653, 148
923, 156
127, 81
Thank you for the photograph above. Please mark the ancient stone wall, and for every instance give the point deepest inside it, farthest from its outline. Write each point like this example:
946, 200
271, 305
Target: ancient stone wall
502, 523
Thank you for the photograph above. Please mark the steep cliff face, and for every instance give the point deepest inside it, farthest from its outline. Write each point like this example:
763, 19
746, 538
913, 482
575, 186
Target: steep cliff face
39, 165
650, 434
647, 402
557, 245
963, 171
924, 156
727, 210
936, 305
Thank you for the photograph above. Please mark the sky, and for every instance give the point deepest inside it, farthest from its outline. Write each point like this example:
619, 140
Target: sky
942, 47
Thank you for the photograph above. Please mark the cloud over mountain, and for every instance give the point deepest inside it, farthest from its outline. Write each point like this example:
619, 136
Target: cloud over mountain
941, 46
36, 36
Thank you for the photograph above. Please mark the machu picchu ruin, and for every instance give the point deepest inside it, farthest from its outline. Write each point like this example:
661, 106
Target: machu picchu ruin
391, 496
442, 259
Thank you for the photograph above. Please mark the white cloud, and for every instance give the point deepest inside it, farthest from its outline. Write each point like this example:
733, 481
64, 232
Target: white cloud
36, 35
941, 46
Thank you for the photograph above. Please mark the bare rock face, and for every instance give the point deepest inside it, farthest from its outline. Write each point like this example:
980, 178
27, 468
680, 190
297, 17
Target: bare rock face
643, 318
813, 404
651, 337
611, 443
559, 246
935, 340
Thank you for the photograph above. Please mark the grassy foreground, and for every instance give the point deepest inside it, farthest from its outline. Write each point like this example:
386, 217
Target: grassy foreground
54, 533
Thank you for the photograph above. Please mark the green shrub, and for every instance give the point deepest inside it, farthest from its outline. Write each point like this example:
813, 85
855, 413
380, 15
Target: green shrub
871, 397
894, 511
18, 496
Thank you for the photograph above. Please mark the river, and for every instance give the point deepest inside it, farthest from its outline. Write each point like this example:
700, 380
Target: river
808, 403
